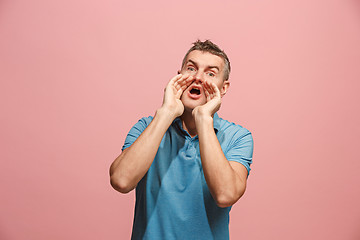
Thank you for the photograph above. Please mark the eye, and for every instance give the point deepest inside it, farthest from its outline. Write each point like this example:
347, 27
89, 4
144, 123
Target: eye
190, 68
211, 74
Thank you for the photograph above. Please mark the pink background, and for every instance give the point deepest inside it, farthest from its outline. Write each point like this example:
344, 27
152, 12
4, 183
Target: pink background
77, 74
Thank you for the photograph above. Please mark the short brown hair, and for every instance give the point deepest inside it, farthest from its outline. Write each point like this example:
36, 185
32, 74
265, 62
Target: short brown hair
208, 46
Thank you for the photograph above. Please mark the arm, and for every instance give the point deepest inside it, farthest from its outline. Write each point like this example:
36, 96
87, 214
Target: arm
226, 179
133, 163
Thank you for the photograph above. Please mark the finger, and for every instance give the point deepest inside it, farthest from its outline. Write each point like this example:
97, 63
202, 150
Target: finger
207, 94
187, 82
179, 82
184, 83
213, 89
216, 90
173, 80
184, 79
182, 89
176, 78
207, 91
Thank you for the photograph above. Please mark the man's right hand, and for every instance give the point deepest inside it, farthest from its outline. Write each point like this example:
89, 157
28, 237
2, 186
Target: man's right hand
133, 163
173, 91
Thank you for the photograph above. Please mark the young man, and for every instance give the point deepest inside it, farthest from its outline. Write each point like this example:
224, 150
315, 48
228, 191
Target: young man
188, 165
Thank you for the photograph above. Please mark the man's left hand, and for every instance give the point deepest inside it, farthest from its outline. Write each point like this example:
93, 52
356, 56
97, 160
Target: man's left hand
213, 101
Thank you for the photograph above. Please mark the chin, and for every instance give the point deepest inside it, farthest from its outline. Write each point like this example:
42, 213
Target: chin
190, 104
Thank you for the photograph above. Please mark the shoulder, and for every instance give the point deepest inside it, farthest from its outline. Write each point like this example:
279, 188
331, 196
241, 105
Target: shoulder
146, 120
230, 128
232, 135
142, 123
236, 141
136, 130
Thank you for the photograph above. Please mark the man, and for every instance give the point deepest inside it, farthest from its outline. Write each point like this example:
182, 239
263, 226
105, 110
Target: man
188, 165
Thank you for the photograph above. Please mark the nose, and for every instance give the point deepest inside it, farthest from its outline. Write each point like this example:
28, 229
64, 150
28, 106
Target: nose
198, 77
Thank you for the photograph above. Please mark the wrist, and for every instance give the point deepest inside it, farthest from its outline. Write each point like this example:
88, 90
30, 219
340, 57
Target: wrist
204, 125
200, 114
166, 113
201, 119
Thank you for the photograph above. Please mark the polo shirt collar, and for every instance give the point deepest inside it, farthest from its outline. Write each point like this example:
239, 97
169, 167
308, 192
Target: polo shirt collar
216, 122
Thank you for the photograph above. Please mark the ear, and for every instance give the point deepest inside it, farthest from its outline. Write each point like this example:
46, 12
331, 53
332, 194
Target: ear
224, 88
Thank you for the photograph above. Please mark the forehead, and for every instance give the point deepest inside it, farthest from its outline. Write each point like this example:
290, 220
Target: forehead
205, 59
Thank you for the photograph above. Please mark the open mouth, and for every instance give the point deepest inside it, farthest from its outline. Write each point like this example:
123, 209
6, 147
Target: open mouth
195, 91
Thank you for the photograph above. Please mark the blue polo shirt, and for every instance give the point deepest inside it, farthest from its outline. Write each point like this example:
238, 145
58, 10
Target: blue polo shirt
172, 199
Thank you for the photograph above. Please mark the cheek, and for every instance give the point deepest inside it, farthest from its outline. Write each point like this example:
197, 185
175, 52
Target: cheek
219, 84
191, 73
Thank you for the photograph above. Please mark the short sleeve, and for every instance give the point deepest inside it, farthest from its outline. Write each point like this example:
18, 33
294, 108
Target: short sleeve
135, 131
241, 148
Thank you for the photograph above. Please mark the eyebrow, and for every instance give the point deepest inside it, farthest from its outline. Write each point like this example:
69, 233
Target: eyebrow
193, 62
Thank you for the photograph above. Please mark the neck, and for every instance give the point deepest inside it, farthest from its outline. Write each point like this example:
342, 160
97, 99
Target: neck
188, 123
